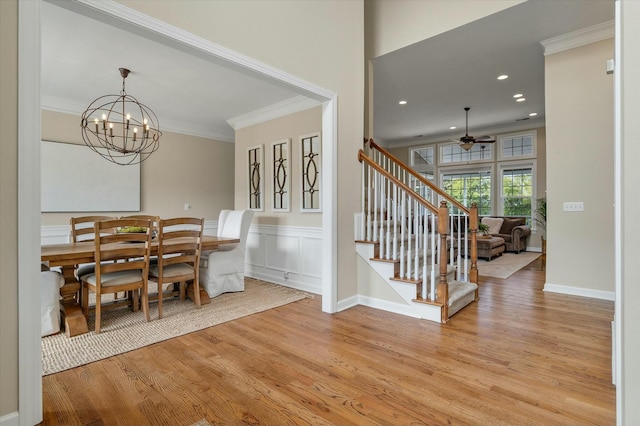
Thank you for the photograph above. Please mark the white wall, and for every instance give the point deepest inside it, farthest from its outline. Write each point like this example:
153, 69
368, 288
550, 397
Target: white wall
580, 135
629, 297
8, 209
397, 24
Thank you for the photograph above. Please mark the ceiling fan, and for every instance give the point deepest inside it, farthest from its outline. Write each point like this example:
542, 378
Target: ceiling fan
467, 142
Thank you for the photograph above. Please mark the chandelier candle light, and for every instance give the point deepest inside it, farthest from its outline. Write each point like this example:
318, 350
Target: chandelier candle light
119, 128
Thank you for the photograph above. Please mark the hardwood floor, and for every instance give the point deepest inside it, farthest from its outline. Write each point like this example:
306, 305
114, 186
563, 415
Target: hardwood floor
518, 356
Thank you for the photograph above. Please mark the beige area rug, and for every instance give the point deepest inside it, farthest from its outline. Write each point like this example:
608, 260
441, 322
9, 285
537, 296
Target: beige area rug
123, 330
506, 265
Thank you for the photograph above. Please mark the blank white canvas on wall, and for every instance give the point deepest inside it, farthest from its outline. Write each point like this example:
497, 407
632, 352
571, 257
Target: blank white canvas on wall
76, 179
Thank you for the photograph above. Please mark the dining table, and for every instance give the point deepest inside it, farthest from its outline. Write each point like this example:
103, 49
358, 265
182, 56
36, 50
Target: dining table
68, 256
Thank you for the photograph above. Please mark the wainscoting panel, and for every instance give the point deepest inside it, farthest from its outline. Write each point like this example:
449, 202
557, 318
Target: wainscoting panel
283, 253
286, 255
311, 264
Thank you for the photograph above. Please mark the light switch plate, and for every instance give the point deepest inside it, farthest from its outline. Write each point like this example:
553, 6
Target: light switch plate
573, 206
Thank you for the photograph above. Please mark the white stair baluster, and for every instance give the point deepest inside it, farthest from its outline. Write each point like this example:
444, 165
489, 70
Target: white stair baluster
409, 223
376, 183
402, 234
425, 257
383, 180
396, 215
363, 221
416, 234
435, 246
390, 218
369, 183
450, 239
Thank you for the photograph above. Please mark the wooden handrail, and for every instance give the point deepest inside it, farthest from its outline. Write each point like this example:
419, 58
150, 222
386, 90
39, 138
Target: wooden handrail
364, 157
418, 176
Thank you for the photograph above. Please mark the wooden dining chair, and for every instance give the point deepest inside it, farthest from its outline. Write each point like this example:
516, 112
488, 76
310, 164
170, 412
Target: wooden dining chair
154, 219
179, 247
122, 264
82, 230
154, 227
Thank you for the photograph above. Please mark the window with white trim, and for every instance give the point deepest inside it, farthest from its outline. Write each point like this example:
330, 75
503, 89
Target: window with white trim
517, 190
517, 146
453, 153
422, 161
472, 186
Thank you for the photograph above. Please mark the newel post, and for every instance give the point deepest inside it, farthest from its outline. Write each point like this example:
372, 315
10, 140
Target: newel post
473, 228
443, 287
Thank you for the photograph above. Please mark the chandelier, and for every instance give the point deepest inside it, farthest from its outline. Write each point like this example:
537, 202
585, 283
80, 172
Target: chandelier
119, 128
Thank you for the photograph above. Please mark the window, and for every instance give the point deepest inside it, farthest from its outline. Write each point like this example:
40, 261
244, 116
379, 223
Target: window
515, 146
470, 187
422, 158
453, 153
422, 161
517, 191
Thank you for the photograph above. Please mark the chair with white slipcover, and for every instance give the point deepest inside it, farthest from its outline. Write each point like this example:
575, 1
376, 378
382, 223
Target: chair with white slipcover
50, 283
222, 270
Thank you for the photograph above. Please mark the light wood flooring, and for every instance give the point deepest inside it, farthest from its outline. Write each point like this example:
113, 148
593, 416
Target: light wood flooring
519, 356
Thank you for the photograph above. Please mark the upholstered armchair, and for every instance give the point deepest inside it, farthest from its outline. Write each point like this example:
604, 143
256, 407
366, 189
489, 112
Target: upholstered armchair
222, 270
514, 230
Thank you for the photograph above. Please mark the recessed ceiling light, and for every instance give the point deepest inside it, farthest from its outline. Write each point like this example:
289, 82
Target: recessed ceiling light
520, 100
533, 114
402, 102
518, 95
503, 77
452, 128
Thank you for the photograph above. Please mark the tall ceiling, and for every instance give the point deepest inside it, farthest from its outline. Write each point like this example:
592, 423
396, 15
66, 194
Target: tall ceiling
191, 92
440, 76
194, 93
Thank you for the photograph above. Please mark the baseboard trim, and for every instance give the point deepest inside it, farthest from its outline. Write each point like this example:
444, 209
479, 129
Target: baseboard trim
383, 305
301, 283
11, 419
578, 291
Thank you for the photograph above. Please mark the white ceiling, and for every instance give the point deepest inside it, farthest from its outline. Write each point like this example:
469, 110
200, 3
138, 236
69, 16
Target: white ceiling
191, 92
440, 76
196, 94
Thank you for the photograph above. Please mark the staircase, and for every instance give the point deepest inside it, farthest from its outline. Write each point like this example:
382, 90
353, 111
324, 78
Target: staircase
408, 235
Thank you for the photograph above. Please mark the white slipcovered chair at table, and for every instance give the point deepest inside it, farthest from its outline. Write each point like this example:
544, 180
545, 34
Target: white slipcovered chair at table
222, 270
50, 283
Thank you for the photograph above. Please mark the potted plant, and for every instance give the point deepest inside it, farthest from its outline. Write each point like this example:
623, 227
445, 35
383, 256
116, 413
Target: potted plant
541, 219
483, 230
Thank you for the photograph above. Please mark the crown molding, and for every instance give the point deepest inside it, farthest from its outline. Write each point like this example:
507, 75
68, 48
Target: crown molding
579, 38
277, 110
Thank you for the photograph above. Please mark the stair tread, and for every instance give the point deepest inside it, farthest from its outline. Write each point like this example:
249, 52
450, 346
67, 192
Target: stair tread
461, 294
459, 289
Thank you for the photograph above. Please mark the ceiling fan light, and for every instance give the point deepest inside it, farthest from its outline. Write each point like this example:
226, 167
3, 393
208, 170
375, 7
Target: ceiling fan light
466, 146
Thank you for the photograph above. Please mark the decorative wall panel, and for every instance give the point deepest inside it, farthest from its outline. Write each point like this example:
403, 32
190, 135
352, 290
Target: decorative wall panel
281, 168
255, 178
311, 153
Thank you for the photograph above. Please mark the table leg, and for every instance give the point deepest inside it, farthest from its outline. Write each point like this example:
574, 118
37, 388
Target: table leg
74, 320
204, 296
